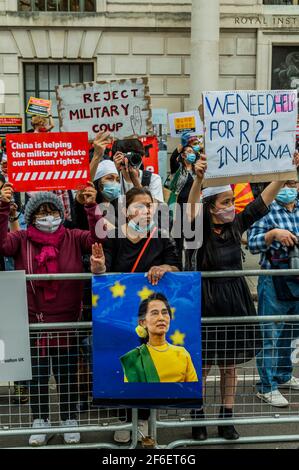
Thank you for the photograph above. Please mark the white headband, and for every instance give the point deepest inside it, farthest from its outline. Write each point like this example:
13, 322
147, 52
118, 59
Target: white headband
106, 167
213, 191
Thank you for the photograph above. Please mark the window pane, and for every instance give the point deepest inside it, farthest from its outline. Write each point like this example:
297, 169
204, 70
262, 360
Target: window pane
43, 77
87, 72
64, 75
54, 103
53, 70
90, 5
30, 77
40, 5
75, 5
75, 73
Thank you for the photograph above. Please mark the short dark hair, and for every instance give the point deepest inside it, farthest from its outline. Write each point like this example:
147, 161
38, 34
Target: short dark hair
145, 303
130, 195
128, 145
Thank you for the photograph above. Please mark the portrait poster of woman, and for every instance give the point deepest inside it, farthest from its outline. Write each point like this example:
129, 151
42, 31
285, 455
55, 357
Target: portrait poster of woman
147, 340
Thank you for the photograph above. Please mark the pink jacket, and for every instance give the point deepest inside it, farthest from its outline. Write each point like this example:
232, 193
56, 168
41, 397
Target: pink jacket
67, 306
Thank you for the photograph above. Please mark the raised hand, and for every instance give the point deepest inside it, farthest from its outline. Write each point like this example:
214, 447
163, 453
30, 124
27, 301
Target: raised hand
6, 193
97, 259
136, 120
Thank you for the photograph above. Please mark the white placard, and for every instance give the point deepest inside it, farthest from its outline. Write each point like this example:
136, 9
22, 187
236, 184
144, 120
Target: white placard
250, 134
159, 117
185, 122
15, 357
121, 107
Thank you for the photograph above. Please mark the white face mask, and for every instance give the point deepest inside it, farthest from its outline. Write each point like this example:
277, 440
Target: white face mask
48, 224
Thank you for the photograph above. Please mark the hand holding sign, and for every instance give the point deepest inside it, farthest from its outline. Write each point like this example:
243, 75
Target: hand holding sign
296, 159
90, 194
6, 193
100, 143
200, 166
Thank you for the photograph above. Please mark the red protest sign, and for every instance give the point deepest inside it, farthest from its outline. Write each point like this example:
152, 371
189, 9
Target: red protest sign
10, 125
151, 159
44, 162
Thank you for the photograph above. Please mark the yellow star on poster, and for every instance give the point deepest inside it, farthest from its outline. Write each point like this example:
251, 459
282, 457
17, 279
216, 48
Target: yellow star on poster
145, 293
173, 310
95, 300
118, 290
178, 338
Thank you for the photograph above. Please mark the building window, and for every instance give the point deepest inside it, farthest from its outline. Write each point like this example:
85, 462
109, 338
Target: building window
41, 79
58, 5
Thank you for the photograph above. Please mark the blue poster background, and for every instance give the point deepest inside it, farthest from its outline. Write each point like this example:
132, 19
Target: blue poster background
116, 299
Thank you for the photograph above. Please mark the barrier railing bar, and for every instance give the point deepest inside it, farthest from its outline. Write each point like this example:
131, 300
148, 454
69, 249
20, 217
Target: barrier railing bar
235, 421
210, 274
205, 321
241, 440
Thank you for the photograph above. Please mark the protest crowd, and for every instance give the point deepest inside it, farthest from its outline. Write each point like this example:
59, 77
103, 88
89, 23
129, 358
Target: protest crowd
116, 224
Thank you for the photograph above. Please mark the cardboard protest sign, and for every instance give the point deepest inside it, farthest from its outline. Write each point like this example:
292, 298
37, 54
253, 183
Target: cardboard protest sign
121, 107
250, 135
48, 161
170, 379
185, 122
10, 125
38, 106
15, 357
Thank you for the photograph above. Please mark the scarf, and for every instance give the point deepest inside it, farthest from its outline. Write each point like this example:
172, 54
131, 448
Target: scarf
139, 367
47, 259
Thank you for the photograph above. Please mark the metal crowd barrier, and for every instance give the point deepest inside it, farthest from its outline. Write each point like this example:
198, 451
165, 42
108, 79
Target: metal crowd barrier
96, 425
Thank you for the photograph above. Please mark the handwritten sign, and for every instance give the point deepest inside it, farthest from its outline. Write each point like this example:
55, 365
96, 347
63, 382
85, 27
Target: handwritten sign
43, 162
121, 107
38, 106
10, 125
250, 135
185, 122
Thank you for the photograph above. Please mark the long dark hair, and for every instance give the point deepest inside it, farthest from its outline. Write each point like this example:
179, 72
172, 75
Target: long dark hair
144, 306
208, 256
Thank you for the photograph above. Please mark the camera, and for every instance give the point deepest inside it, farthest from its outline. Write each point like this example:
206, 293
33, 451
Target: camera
134, 159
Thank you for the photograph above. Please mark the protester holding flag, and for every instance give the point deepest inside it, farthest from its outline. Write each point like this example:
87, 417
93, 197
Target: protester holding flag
226, 345
47, 247
276, 238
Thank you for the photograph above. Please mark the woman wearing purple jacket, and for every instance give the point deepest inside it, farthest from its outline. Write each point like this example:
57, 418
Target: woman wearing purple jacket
47, 247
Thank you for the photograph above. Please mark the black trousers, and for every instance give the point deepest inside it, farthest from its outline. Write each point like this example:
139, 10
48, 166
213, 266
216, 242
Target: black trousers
64, 363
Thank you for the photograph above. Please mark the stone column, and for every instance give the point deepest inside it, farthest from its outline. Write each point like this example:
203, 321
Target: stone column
205, 26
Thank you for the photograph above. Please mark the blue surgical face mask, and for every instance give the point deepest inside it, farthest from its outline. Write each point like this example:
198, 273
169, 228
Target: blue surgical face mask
287, 195
138, 229
191, 158
111, 191
196, 148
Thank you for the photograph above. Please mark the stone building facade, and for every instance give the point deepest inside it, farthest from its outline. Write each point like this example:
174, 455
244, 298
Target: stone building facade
125, 38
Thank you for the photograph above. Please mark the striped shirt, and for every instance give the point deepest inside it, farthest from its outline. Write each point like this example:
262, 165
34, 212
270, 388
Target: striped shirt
278, 217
